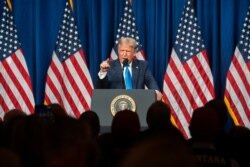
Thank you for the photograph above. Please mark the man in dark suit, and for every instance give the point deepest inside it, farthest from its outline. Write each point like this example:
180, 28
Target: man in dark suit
111, 75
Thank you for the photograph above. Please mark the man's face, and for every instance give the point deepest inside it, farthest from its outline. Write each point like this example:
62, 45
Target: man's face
125, 51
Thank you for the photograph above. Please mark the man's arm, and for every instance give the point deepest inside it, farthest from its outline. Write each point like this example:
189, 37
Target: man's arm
101, 80
151, 83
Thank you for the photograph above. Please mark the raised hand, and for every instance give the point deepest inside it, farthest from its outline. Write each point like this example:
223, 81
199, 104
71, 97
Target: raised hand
104, 66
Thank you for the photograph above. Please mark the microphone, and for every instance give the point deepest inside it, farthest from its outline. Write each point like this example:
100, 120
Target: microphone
125, 63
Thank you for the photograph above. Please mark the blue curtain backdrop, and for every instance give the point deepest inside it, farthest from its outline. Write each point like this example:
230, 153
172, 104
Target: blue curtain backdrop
38, 23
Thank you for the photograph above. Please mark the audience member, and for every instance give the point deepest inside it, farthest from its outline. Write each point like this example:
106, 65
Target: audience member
9, 159
12, 114
57, 110
92, 119
9, 120
204, 128
29, 140
69, 144
222, 139
124, 130
240, 145
158, 120
158, 151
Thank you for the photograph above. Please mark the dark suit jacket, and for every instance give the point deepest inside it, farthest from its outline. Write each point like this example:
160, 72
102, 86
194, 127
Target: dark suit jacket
141, 76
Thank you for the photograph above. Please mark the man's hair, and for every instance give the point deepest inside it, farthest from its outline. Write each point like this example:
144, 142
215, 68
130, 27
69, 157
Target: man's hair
128, 40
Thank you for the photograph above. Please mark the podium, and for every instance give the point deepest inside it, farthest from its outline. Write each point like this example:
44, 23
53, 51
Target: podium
106, 102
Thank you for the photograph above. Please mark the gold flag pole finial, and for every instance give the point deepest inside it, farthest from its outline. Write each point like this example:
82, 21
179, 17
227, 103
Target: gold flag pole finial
9, 4
71, 4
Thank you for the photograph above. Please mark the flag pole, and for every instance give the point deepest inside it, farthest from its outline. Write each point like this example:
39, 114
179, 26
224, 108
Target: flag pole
71, 4
9, 5
130, 1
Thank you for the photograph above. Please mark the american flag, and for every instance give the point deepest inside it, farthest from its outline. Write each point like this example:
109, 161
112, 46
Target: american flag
237, 92
68, 80
188, 81
127, 28
15, 83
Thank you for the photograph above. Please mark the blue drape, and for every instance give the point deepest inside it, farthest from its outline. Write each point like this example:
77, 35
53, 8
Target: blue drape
38, 23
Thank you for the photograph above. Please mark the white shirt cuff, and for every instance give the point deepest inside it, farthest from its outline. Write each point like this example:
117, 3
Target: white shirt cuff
102, 74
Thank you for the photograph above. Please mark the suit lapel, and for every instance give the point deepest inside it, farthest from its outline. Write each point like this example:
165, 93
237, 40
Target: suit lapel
119, 73
135, 72
118, 68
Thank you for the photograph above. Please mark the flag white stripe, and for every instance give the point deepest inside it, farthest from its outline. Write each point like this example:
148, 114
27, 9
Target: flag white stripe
177, 109
15, 91
6, 99
240, 85
78, 82
208, 72
206, 68
57, 84
140, 56
54, 79
75, 82
20, 78
239, 81
69, 87
51, 95
237, 102
179, 89
242, 63
21, 59
199, 80
113, 54
1, 112
81, 62
188, 82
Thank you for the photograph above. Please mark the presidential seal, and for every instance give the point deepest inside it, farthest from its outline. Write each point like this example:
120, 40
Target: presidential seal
122, 102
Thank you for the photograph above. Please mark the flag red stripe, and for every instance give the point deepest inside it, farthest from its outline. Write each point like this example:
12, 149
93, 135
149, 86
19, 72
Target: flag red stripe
196, 87
204, 76
19, 87
184, 86
47, 99
68, 96
51, 84
56, 71
3, 104
12, 97
81, 72
175, 117
241, 73
195, 82
143, 54
74, 85
234, 109
23, 71
52, 87
209, 83
68, 72
68, 100
178, 98
240, 96
248, 65
189, 94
